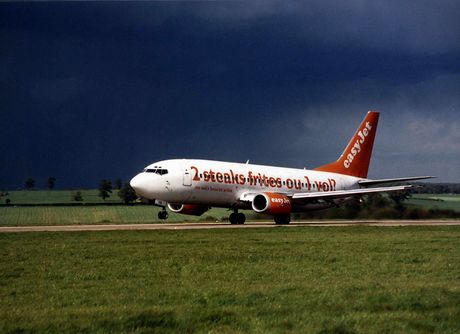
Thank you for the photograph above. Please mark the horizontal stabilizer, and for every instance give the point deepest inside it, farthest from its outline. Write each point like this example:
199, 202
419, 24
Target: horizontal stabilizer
368, 183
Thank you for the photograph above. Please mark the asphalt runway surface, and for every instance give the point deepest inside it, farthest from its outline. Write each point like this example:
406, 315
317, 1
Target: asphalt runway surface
207, 225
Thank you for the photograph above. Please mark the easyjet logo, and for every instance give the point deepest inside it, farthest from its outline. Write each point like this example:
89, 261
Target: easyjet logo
280, 200
358, 145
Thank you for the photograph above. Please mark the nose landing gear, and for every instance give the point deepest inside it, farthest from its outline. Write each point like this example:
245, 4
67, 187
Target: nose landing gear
163, 214
237, 218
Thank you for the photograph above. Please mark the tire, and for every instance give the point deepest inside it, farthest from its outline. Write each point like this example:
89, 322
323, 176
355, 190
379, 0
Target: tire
233, 218
282, 220
241, 218
163, 215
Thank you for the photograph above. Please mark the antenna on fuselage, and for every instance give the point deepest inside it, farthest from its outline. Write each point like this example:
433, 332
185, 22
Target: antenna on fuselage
247, 161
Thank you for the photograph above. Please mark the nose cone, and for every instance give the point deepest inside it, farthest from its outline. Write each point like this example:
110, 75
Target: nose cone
140, 185
135, 182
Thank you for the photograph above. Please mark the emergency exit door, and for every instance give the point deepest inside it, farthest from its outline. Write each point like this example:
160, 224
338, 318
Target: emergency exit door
187, 180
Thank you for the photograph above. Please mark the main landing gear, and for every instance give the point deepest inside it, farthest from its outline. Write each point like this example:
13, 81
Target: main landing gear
163, 214
282, 219
237, 218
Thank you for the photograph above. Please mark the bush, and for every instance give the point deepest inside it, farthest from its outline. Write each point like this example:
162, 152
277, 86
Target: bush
386, 213
77, 196
416, 213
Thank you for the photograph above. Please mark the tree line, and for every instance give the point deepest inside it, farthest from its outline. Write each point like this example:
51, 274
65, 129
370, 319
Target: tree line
380, 206
436, 188
50, 183
105, 188
125, 192
30, 182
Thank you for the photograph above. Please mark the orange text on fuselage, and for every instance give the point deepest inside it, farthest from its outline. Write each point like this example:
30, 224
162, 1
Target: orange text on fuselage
254, 179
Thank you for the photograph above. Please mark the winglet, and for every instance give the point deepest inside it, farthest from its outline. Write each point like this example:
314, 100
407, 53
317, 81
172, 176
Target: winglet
355, 159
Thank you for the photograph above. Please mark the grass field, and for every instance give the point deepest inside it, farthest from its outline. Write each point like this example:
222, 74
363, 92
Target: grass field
436, 201
430, 201
69, 215
58, 197
92, 214
115, 214
315, 280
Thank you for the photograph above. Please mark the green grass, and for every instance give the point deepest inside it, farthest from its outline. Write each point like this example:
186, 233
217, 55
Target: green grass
68, 215
115, 214
316, 280
436, 201
58, 197
12, 215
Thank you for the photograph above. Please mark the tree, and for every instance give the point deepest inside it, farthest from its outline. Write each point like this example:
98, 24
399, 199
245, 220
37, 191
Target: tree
127, 194
51, 182
398, 197
105, 189
30, 183
77, 196
376, 201
118, 183
5, 194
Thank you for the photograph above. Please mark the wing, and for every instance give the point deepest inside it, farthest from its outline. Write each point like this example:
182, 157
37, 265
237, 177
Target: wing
328, 195
367, 183
347, 193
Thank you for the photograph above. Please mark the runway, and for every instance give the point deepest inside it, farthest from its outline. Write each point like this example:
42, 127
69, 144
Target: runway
201, 226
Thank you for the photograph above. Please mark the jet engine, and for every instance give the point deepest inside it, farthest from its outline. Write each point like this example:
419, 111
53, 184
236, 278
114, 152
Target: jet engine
272, 204
188, 209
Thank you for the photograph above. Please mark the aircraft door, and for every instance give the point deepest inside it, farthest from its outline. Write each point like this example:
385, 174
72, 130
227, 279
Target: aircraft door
187, 180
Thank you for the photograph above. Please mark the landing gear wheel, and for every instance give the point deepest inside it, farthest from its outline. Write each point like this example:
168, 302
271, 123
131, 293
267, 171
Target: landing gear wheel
163, 215
237, 218
233, 218
282, 220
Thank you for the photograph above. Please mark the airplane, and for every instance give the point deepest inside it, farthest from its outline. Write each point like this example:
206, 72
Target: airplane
192, 187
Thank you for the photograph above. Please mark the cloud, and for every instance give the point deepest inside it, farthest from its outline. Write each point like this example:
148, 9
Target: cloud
414, 27
419, 131
279, 82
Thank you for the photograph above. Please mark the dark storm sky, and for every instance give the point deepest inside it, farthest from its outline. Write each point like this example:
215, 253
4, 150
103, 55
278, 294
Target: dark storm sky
93, 90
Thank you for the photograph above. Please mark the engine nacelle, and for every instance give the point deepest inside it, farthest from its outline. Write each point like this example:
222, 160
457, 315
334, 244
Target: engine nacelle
272, 204
188, 209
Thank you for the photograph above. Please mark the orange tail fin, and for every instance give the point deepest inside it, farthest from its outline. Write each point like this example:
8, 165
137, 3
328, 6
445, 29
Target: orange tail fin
355, 159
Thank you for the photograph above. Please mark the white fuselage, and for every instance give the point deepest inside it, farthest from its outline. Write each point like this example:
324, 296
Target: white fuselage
223, 184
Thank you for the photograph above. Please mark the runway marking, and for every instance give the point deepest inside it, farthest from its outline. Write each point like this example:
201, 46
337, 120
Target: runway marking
200, 226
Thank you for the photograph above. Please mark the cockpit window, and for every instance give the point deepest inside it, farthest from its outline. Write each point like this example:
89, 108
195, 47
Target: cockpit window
159, 171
